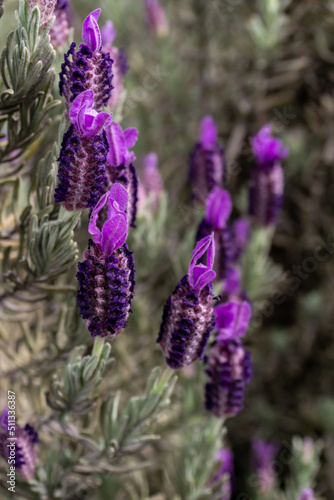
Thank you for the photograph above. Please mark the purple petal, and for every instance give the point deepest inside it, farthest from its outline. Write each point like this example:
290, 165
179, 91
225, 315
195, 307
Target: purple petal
117, 145
268, 149
117, 195
218, 208
232, 319
81, 103
241, 231
232, 284
198, 275
108, 34
226, 457
91, 34
208, 134
130, 136
92, 227
100, 121
114, 233
307, 494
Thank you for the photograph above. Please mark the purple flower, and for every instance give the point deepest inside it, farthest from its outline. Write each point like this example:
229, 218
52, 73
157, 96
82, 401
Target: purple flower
188, 320
83, 156
263, 463
107, 276
89, 69
156, 18
225, 457
60, 30
207, 162
218, 210
267, 179
229, 370
232, 319
151, 182
120, 168
240, 235
232, 285
22, 449
307, 494
46, 8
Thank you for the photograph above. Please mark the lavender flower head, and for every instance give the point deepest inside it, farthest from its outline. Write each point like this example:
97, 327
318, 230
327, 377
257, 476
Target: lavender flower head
151, 185
263, 463
307, 494
120, 168
87, 68
267, 179
225, 457
120, 66
83, 156
207, 162
240, 236
46, 8
188, 320
218, 210
61, 28
21, 453
156, 18
106, 277
229, 367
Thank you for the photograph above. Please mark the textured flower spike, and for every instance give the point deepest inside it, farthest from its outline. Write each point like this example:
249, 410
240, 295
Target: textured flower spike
120, 66
61, 28
218, 210
267, 179
22, 449
263, 463
120, 168
46, 8
207, 162
187, 319
83, 156
307, 494
156, 18
229, 370
151, 182
107, 276
89, 69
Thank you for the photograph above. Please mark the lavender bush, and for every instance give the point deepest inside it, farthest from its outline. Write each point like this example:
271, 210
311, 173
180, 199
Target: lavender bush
166, 250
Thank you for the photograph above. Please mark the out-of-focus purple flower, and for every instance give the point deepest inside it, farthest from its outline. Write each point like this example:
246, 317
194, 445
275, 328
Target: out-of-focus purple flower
240, 235
263, 464
229, 370
266, 190
21, 450
188, 320
156, 18
232, 285
232, 319
120, 168
307, 494
61, 28
120, 66
151, 185
46, 8
207, 162
107, 276
218, 210
89, 69
83, 156
225, 457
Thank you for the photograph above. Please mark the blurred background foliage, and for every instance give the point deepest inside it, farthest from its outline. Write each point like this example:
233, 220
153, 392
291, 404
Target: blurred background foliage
246, 63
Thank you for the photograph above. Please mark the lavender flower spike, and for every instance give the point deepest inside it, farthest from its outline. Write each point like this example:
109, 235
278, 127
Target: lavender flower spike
46, 8
267, 178
87, 68
21, 451
107, 276
225, 457
218, 210
207, 162
232, 318
188, 320
263, 463
156, 18
61, 28
307, 494
83, 156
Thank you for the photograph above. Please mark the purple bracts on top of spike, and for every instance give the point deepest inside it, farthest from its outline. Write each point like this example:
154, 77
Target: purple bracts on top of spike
156, 18
87, 68
307, 494
25, 453
83, 156
207, 162
226, 459
107, 276
267, 179
188, 320
232, 319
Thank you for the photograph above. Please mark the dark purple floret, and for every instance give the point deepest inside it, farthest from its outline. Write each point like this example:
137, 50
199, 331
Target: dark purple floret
81, 172
229, 370
123, 62
188, 318
106, 289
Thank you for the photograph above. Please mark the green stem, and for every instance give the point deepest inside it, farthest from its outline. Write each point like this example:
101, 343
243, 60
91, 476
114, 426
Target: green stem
98, 346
